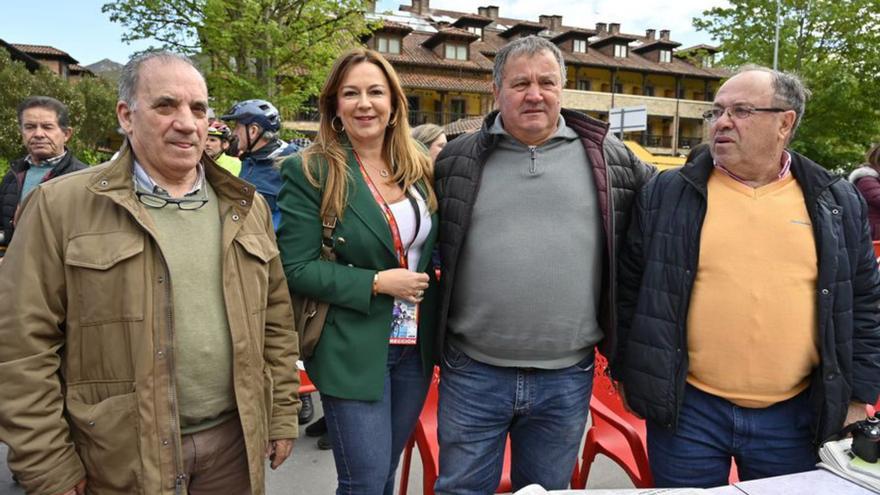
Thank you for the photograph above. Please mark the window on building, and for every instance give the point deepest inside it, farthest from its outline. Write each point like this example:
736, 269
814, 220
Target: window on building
708, 60
415, 116
649, 90
457, 109
618, 88
456, 51
386, 43
476, 30
620, 51
583, 84
580, 46
665, 56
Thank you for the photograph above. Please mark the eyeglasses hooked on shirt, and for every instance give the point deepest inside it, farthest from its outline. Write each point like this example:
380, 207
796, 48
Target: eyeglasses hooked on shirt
151, 194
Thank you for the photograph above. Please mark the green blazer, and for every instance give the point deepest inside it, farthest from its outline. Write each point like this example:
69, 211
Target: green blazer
350, 359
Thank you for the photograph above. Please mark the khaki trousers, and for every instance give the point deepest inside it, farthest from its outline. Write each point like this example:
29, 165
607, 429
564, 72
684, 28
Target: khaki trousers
215, 461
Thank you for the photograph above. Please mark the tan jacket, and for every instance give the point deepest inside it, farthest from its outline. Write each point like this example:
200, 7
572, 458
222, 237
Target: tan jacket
87, 331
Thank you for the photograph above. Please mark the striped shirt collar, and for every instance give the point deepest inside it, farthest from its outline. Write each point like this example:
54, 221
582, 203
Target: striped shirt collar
785, 161
48, 162
146, 183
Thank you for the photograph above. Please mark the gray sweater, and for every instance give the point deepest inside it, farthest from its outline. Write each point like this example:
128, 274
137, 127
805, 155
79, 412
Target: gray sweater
530, 269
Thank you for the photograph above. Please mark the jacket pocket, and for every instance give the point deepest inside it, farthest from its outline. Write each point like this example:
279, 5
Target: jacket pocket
107, 438
107, 271
257, 251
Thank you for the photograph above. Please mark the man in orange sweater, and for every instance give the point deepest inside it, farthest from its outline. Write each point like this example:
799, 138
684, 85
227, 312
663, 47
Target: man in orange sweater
748, 313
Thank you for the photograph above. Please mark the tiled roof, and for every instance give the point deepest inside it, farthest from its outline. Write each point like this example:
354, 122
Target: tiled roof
399, 27
573, 33
472, 20
653, 45
606, 38
523, 27
449, 33
444, 83
708, 48
413, 52
463, 126
44, 50
495, 35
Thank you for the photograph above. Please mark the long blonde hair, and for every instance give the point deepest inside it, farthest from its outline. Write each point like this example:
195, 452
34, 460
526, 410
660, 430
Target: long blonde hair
326, 158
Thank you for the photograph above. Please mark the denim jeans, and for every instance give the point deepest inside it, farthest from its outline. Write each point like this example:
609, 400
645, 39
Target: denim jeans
368, 436
765, 442
544, 411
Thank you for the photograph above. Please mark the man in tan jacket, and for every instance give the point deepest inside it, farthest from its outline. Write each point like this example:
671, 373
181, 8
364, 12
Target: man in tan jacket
148, 343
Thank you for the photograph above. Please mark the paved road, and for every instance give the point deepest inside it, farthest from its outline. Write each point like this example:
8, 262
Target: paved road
310, 472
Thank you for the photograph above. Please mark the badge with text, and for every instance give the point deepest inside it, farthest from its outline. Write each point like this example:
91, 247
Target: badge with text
404, 322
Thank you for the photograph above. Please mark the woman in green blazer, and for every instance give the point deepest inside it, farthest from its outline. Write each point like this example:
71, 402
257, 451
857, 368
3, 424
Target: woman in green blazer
374, 360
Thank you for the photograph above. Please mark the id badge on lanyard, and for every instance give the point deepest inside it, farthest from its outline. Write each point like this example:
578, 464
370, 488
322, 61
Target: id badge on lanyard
404, 314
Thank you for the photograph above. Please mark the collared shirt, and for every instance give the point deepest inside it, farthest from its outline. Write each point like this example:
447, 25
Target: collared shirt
47, 162
785, 161
146, 183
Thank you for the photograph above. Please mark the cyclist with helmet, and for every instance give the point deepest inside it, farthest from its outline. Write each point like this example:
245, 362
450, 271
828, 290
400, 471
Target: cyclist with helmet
217, 146
257, 123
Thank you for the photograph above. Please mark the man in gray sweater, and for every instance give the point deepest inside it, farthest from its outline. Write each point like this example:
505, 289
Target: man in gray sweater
531, 208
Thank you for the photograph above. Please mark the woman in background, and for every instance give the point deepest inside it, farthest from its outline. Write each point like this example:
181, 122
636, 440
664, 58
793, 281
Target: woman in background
432, 136
867, 181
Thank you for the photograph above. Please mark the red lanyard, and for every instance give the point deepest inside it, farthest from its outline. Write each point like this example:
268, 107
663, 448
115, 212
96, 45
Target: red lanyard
389, 217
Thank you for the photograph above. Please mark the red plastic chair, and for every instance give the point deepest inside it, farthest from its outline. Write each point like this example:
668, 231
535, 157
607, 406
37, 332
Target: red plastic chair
618, 434
305, 383
615, 432
425, 437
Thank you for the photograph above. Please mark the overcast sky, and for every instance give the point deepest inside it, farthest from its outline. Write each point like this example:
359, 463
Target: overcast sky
79, 28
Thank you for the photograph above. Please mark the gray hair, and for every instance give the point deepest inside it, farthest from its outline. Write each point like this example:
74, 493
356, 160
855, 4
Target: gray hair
131, 73
62, 115
789, 91
531, 46
427, 133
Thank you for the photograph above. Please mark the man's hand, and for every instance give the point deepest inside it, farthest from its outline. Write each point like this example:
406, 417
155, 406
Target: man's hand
278, 451
855, 412
78, 489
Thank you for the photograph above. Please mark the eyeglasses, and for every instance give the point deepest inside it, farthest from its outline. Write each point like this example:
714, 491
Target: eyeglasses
740, 112
155, 201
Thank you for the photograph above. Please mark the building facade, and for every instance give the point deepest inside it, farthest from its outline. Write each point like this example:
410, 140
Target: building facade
444, 59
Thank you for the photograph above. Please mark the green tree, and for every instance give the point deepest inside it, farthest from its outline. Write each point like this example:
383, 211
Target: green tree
833, 45
278, 50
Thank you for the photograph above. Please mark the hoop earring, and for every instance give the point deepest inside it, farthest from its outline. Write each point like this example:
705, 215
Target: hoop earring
333, 124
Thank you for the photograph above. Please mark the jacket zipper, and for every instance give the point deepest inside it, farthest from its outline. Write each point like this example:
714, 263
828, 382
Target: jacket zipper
533, 167
180, 477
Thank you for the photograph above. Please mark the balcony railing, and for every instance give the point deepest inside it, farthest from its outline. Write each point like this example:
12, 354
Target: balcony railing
657, 141
689, 142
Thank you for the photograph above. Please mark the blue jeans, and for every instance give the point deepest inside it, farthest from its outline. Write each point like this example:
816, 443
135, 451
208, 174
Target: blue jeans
544, 411
765, 442
368, 436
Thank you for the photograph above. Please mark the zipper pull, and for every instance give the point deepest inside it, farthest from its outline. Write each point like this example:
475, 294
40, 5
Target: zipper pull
533, 168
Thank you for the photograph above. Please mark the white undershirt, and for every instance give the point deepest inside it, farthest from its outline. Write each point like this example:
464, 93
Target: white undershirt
406, 222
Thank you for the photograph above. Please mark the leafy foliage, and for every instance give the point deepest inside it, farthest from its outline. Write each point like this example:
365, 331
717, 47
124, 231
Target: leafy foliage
834, 46
279, 50
91, 101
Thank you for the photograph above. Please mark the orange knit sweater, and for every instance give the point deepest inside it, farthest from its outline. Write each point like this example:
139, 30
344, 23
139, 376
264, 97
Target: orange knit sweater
752, 329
